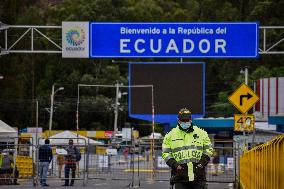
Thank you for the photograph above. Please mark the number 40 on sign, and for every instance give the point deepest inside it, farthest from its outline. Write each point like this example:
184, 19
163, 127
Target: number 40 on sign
243, 122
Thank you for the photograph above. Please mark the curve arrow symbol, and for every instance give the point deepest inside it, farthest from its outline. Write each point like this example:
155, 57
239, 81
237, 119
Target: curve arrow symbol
248, 96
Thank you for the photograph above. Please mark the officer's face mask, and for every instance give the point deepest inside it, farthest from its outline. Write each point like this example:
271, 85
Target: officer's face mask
185, 124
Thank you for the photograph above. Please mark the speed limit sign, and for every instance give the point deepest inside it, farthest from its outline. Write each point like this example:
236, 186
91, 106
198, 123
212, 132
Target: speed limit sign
243, 122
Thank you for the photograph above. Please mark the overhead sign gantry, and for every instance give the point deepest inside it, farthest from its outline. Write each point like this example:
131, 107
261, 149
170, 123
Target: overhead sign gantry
49, 34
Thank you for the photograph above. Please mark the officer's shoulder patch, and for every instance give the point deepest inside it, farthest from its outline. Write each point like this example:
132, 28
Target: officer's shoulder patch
195, 136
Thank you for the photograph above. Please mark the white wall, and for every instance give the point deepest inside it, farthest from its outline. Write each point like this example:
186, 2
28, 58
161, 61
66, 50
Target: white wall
272, 97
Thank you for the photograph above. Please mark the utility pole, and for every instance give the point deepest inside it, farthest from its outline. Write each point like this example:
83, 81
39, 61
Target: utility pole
116, 108
36, 121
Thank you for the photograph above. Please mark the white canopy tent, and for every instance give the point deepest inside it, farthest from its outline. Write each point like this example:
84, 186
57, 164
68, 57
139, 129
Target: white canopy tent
155, 136
7, 131
63, 139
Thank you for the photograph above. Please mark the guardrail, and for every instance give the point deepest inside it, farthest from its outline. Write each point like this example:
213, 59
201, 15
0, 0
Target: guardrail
263, 166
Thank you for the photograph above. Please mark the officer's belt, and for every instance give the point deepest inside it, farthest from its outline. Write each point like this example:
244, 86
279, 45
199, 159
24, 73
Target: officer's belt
188, 160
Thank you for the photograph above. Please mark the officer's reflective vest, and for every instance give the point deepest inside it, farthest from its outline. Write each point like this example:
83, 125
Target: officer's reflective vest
186, 147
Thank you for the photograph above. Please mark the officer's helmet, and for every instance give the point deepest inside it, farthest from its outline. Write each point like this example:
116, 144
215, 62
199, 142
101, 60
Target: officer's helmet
184, 115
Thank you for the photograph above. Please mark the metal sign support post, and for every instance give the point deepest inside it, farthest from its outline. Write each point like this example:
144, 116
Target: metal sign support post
246, 82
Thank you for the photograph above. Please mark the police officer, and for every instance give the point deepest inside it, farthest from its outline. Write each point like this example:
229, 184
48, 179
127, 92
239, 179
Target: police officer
187, 150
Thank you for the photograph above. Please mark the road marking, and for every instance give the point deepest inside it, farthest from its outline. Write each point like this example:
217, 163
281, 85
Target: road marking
146, 170
100, 184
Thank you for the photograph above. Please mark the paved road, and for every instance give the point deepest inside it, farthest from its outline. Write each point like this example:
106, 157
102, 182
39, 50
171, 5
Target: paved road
109, 184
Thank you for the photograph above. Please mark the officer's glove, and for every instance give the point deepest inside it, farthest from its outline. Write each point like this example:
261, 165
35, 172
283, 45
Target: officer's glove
204, 160
199, 165
179, 168
172, 163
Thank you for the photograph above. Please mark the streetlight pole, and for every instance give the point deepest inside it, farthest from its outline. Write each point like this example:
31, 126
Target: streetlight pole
51, 106
245, 72
51, 110
116, 108
117, 97
246, 75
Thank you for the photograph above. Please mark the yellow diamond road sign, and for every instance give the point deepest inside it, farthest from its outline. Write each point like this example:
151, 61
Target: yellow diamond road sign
243, 98
243, 122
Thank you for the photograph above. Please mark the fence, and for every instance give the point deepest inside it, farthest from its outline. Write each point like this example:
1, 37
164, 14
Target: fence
262, 166
64, 166
108, 163
223, 166
141, 166
124, 165
14, 150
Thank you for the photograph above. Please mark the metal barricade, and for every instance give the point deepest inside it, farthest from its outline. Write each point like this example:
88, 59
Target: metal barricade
223, 165
151, 166
64, 163
123, 165
16, 160
222, 168
108, 162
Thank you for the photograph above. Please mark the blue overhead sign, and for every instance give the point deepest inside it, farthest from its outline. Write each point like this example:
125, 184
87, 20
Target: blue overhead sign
202, 40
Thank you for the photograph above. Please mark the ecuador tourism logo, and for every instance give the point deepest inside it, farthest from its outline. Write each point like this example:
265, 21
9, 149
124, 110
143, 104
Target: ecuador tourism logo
75, 37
